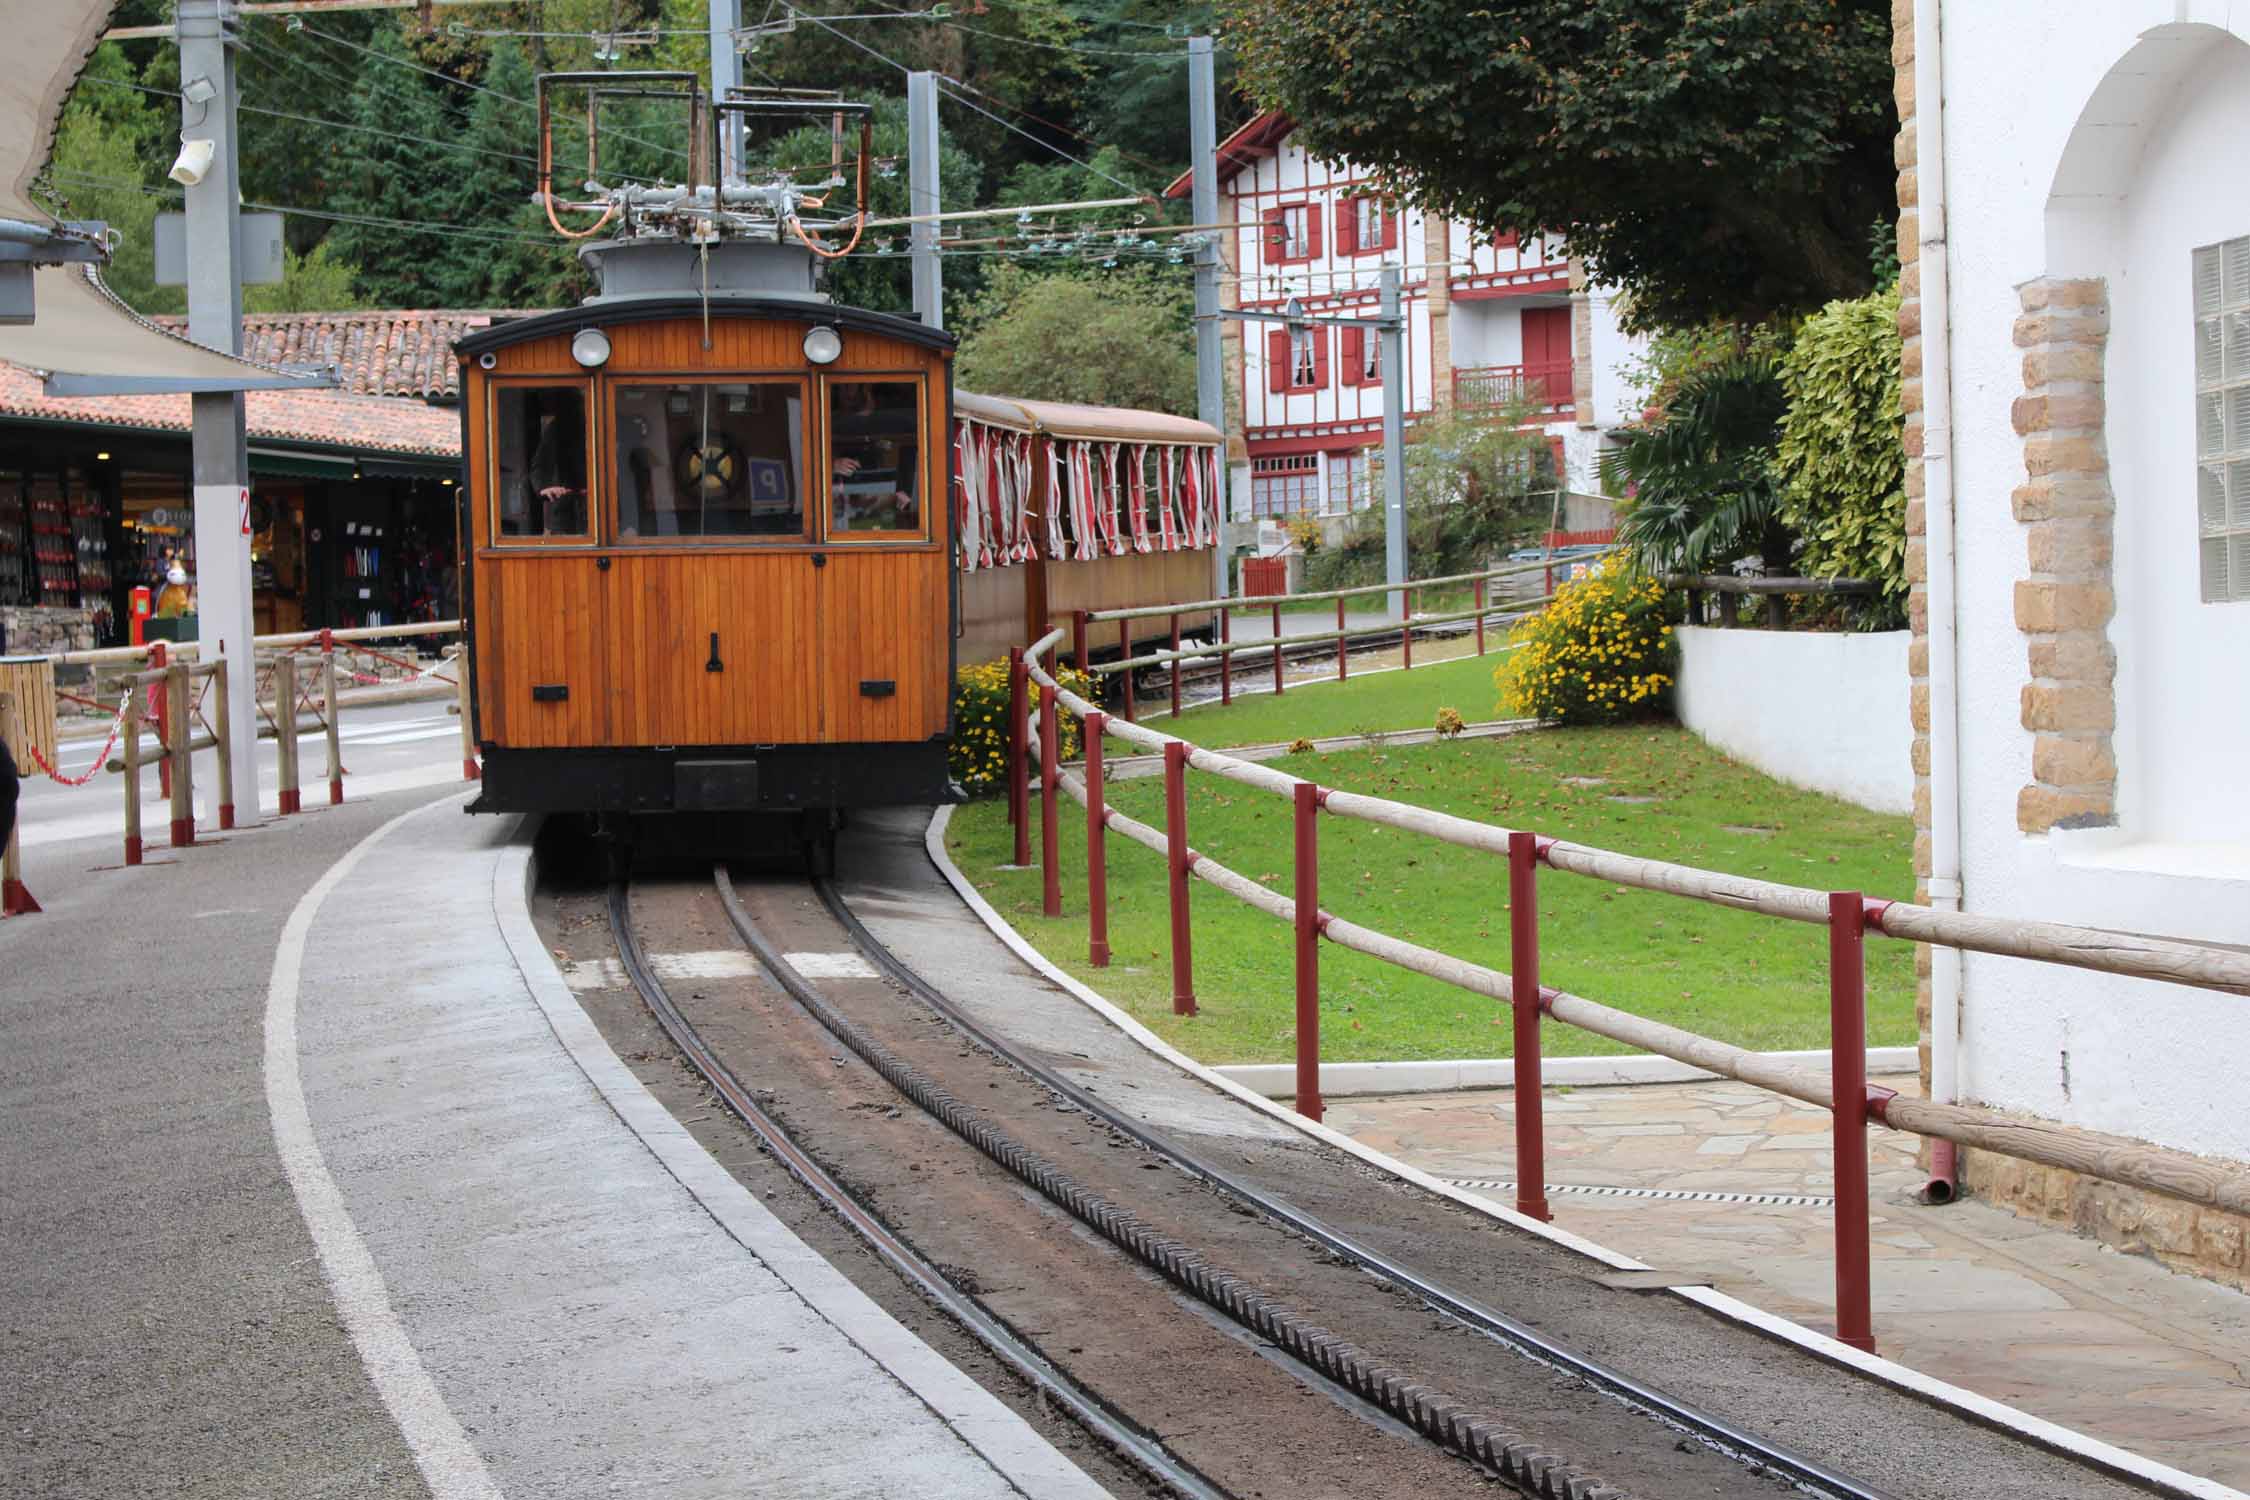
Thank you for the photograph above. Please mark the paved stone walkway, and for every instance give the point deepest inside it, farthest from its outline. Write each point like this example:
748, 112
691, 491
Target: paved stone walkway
2113, 1345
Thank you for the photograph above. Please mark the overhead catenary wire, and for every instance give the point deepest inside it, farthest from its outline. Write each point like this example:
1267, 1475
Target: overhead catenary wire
420, 226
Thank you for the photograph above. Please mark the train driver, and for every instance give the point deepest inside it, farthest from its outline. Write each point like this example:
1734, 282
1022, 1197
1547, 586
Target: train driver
874, 476
558, 471
542, 443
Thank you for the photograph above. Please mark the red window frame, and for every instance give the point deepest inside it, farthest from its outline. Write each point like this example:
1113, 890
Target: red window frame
1347, 224
1276, 234
1281, 361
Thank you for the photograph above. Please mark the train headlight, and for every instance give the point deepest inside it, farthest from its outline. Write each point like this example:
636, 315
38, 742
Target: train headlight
823, 344
590, 347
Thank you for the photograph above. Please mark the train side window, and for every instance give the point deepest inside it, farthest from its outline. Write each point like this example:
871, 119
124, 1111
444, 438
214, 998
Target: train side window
539, 455
710, 458
875, 457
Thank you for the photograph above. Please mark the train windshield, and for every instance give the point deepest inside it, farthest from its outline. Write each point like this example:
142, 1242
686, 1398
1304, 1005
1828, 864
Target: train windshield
719, 458
874, 455
540, 452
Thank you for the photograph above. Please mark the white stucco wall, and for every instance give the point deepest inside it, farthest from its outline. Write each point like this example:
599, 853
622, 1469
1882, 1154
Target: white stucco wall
1818, 709
2155, 172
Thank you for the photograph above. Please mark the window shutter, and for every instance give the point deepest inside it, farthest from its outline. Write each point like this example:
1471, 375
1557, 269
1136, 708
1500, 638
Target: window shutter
1355, 355
1312, 231
1504, 240
1347, 226
1391, 213
1319, 337
1277, 359
1275, 247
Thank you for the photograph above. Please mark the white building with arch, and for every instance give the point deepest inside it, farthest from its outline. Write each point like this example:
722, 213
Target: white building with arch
2076, 222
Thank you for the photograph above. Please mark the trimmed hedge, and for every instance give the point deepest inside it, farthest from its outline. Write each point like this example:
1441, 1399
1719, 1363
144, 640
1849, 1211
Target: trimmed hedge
1841, 460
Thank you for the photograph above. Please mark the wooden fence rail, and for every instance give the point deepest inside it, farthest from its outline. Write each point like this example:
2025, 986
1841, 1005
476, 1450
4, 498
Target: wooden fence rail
1847, 915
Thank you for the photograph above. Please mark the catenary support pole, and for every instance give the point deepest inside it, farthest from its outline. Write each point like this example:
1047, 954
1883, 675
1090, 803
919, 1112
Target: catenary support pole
1097, 845
726, 73
1406, 632
1523, 982
220, 446
1343, 647
922, 197
1050, 840
1306, 891
1277, 687
1847, 1062
1210, 370
1394, 429
1178, 857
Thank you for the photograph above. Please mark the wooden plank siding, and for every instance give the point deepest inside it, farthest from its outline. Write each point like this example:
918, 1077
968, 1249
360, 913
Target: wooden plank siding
632, 640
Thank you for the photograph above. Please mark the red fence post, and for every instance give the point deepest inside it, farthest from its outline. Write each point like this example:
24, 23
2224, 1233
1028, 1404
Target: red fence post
1847, 1063
1308, 950
1226, 657
1406, 630
1097, 853
1125, 654
1019, 798
1523, 983
1179, 858
1480, 617
1050, 857
1175, 663
1078, 639
1342, 671
1277, 646
160, 701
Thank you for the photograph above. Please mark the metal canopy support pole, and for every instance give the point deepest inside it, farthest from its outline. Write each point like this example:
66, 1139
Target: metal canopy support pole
922, 196
726, 73
1210, 370
1394, 438
221, 447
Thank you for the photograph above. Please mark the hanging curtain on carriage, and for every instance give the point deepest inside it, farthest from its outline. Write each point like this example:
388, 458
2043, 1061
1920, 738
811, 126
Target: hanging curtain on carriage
1014, 472
972, 550
1136, 496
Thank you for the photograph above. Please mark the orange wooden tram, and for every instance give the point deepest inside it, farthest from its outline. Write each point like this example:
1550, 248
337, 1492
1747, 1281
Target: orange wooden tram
708, 574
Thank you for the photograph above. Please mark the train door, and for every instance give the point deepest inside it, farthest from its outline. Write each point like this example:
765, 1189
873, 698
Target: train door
712, 586
541, 610
885, 602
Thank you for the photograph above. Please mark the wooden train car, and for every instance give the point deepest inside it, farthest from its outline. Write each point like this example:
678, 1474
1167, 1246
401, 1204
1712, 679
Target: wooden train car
707, 563
1065, 507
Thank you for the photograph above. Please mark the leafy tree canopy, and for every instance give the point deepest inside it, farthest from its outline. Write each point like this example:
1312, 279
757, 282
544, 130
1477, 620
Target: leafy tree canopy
1122, 341
1712, 160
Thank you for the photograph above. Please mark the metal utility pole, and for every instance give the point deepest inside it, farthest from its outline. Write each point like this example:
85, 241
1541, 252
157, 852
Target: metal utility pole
726, 73
922, 196
1210, 371
221, 457
1394, 436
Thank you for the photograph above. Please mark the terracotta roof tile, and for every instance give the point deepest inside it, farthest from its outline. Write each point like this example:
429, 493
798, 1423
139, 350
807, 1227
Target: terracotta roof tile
332, 419
378, 352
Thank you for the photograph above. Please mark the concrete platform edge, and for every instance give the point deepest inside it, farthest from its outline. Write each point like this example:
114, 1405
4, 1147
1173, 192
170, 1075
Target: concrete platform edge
1440, 1075
1923, 1387
1017, 1452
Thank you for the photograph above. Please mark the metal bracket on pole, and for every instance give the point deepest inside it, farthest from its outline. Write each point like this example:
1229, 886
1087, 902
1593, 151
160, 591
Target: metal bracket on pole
922, 197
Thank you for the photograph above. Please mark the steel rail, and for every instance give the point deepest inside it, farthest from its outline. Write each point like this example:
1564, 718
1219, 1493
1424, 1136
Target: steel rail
1483, 1440
1141, 1448
1707, 1427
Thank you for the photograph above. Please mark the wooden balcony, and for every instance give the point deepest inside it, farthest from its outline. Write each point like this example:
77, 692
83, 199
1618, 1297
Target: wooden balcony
1546, 389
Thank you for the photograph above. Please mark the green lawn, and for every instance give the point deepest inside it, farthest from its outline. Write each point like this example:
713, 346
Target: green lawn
1363, 703
1755, 981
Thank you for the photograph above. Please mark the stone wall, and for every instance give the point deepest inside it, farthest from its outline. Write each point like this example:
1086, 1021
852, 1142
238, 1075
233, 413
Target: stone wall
26, 630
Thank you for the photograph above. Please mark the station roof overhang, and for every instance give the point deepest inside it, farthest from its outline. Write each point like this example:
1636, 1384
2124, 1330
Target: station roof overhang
82, 339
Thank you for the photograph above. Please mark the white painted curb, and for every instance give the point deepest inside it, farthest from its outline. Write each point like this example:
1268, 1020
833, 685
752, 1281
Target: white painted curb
1005, 1441
1900, 1377
1343, 1080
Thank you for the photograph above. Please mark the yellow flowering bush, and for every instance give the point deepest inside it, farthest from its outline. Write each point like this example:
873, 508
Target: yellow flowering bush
980, 723
1599, 652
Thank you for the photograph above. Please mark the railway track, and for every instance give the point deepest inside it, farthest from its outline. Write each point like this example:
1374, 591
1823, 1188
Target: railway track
920, 1095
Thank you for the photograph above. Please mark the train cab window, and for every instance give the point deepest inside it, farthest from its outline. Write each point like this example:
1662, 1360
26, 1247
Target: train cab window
874, 457
710, 458
539, 448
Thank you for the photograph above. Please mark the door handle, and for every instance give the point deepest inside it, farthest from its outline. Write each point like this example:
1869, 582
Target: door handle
714, 664
602, 563
820, 559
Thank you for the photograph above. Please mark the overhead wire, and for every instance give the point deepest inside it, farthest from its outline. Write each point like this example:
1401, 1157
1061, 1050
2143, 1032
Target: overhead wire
420, 226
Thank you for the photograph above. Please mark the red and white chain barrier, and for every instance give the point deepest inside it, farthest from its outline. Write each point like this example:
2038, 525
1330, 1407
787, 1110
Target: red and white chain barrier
116, 727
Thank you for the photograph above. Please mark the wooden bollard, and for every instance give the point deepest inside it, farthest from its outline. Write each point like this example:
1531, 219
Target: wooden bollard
180, 727
330, 708
133, 731
1050, 852
224, 734
15, 897
1180, 860
285, 731
1097, 852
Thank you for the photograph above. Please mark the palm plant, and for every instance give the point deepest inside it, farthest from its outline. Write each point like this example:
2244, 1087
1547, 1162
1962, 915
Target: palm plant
1702, 482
